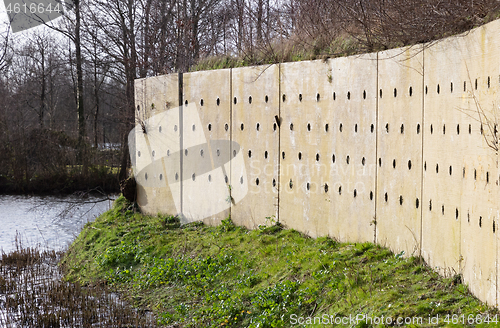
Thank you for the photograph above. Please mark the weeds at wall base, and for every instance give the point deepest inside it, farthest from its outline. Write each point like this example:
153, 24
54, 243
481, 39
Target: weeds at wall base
199, 276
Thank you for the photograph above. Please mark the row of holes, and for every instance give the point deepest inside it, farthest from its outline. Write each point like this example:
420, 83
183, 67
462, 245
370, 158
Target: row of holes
318, 96
341, 128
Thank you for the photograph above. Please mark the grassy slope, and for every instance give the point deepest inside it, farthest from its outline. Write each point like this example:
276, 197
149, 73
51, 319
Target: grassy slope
200, 276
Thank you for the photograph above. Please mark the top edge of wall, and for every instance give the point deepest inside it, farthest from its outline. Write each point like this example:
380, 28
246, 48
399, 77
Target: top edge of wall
418, 47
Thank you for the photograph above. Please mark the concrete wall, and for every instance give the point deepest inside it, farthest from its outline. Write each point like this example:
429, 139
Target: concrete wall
395, 147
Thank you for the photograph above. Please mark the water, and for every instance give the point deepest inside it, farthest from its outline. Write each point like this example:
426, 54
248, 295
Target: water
50, 222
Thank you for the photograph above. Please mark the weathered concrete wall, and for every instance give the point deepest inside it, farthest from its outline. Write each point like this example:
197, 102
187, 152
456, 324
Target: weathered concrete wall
395, 147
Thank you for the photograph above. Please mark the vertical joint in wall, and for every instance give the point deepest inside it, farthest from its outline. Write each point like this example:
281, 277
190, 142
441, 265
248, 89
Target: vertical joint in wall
181, 135
376, 154
279, 142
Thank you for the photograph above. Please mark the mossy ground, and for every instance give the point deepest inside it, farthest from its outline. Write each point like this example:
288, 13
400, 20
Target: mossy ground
201, 276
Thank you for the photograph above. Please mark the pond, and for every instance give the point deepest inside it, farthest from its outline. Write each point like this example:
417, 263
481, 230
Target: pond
50, 222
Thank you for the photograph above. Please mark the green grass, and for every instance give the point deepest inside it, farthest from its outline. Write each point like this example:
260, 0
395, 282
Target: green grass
200, 276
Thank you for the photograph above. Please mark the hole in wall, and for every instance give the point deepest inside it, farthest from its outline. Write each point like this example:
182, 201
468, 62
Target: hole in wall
409, 164
257, 181
300, 97
265, 154
475, 174
318, 97
250, 99
168, 152
380, 93
379, 161
241, 180
487, 177
138, 153
274, 126
395, 92
218, 101
456, 213
371, 195
193, 176
488, 82
334, 96
300, 156
426, 89
226, 179
333, 158
283, 155
468, 216
146, 176
482, 129
463, 172
218, 152
438, 89
418, 128
226, 127
185, 152
257, 127
326, 127
291, 126
159, 129
363, 161
283, 97
326, 187
175, 128
451, 170
417, 203
400, 199
340, 127
201, 102
138, 108
411, 91
274, 182
347, 159
451, 87
355, 193
364, 94
458, 129
249, 153
290, 184
266, 99
161, 176
186, 103
340, 190
308, 186
176, 176
242, 126
308, 126
442, 209
465, 86
348, 95
235, 100
402, 128
386, 197
317, 157
425, 166
387, 127
437, 167
475, 85
470, 129
430, 204
432, 129
372, 128
201, 152
209, 127
356, 128
394, 163
480, 221
444, 129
